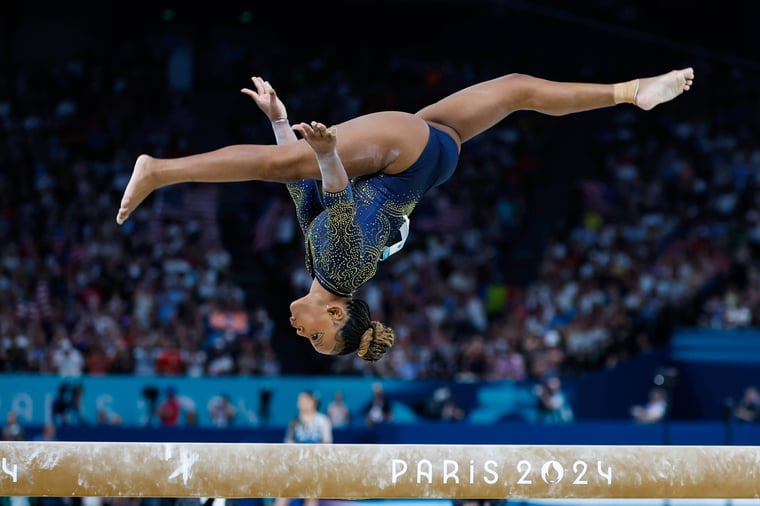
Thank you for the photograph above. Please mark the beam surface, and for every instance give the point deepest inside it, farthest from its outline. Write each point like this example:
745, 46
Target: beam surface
364, 471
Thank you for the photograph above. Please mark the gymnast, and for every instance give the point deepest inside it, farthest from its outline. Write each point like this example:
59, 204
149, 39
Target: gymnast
374, 169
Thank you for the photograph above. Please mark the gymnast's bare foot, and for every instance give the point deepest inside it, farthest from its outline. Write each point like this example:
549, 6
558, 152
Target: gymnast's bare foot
140, 185
663, 88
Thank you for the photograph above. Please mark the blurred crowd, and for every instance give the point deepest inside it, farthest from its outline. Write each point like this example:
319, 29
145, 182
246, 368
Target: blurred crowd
662, 225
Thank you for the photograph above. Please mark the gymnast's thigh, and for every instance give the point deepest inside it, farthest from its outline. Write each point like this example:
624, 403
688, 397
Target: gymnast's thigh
389, 141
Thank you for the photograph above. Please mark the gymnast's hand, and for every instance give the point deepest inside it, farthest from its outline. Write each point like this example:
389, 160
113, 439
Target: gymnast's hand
266, 98
321, 139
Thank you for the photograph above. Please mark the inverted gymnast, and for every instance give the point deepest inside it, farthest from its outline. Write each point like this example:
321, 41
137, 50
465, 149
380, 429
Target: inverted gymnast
374, 169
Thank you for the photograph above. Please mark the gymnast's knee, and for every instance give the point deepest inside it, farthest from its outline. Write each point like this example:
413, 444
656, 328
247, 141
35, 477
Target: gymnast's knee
291, 172
518, 81
290, 175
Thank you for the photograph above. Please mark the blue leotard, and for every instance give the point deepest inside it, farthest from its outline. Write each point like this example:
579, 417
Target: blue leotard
345, 232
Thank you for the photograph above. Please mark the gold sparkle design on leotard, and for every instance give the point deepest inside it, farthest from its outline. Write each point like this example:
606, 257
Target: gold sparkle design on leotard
344, 241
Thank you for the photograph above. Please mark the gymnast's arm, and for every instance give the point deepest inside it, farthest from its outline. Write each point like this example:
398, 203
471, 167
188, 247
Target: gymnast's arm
304, 193
323, 141
346, 245
271, 105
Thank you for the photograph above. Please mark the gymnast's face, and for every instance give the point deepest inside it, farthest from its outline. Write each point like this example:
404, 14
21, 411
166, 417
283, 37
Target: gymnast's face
318, 322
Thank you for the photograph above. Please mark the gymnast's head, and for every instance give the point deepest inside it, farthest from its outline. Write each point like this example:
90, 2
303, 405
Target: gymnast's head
340, 326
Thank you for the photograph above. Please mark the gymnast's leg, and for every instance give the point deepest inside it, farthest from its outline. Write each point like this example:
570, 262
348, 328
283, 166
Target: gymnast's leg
478, 107
385, 141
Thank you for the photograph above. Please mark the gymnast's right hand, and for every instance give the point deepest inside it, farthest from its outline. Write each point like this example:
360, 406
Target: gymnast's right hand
266, 98
321, 139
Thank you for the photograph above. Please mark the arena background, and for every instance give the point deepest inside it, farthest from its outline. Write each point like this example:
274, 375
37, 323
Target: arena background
85, 89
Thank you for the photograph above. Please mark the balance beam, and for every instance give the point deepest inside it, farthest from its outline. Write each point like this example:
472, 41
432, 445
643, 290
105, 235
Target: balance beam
359, 471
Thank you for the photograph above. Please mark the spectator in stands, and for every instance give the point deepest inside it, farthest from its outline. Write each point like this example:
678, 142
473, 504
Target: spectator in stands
170, 357
338, 411
262, 325
748, 407
97, 360
220, 361
49, 433
16, 351
221, 411
61, 404
655, 410
508, 363
442, 406
379, 410
269, 364
265, 405
108, 416
170, 409
227, 321
310, 426
150, 395
67, 360
552, 405
12, 430
247, 360
67, 404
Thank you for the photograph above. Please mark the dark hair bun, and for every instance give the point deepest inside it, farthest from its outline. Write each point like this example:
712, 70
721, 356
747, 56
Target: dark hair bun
375, 342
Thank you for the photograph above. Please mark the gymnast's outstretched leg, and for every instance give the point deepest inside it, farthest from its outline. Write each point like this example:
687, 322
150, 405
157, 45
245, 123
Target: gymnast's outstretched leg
387, 141
477, 108
391, 141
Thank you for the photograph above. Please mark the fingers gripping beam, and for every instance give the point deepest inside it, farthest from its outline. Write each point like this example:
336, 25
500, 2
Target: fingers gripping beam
355, 471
